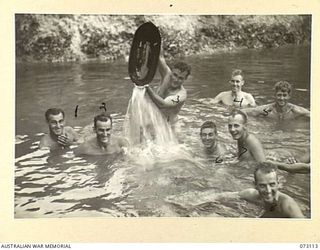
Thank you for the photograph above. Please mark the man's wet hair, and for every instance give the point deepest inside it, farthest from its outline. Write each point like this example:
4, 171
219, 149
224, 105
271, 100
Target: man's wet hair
53, 111
208, 124
283, 86
101, 118
237, 72
239, 112
266, 168
182, 66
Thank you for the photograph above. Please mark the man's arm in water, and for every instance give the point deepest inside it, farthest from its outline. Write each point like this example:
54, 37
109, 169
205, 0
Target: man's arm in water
256, 149
165, 73
262, 110
251, 101
299, 168
218, 98
301, 111
170, 101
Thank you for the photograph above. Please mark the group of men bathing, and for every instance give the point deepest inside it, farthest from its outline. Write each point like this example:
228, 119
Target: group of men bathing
169, 98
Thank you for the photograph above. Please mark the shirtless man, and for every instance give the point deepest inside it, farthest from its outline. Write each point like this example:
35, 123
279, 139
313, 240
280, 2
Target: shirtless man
171, 94
103, 143
209, 138
280, 109
235, 97
249, 147
276, 203
59, 136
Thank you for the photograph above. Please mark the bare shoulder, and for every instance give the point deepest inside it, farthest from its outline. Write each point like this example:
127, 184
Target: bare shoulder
225, 93
121, 141
45, 141
289, 206
298, 109
86, 147
253, 139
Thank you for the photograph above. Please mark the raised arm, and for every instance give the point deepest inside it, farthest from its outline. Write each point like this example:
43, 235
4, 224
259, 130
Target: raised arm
162, 65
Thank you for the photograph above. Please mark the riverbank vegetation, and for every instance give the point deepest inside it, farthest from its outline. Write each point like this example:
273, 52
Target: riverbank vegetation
58, 38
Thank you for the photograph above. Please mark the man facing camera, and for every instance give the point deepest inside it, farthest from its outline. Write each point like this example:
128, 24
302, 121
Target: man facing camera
103, 143
209, 138
59, 136
281, 108
235, 97
249, 146
276, 203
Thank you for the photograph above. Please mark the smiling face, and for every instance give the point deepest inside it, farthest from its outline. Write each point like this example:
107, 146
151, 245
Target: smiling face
236, 127
208, 137
56, 124
236, 83
267, 186
282, 98
103, 131
177, 78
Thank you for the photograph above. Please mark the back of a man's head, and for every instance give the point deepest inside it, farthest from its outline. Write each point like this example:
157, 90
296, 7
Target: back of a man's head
103, 118
53, 111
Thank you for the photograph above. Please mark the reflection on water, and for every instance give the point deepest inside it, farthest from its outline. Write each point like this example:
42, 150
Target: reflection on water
141, 182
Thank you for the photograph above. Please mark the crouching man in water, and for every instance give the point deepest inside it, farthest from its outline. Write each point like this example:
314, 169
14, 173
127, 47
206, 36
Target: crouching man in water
171, 95
59, 136
276, 203
104, 143
249, 147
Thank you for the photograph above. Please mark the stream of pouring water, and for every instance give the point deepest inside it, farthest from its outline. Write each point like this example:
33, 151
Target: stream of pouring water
150, 136
144, 121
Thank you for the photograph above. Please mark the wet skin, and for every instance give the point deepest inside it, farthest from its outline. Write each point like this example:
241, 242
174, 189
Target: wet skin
208, 137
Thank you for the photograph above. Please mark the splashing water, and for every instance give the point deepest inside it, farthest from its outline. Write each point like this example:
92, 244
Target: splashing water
144, 121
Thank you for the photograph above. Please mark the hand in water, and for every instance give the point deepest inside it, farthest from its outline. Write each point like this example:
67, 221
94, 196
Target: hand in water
291, 160
64, 140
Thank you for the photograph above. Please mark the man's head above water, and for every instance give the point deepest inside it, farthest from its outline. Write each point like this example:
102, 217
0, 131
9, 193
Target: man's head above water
180, 72
237, 124
208, 134
102, 128
282, 93
55, 118
236, 80
266, 181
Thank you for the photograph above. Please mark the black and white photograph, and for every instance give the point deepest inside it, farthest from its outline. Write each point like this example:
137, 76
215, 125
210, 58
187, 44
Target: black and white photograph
162, 116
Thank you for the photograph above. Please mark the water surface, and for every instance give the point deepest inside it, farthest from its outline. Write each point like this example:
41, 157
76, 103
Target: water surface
48, 185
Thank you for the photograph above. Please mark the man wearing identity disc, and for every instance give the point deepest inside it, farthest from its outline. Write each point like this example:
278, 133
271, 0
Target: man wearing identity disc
171, 94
